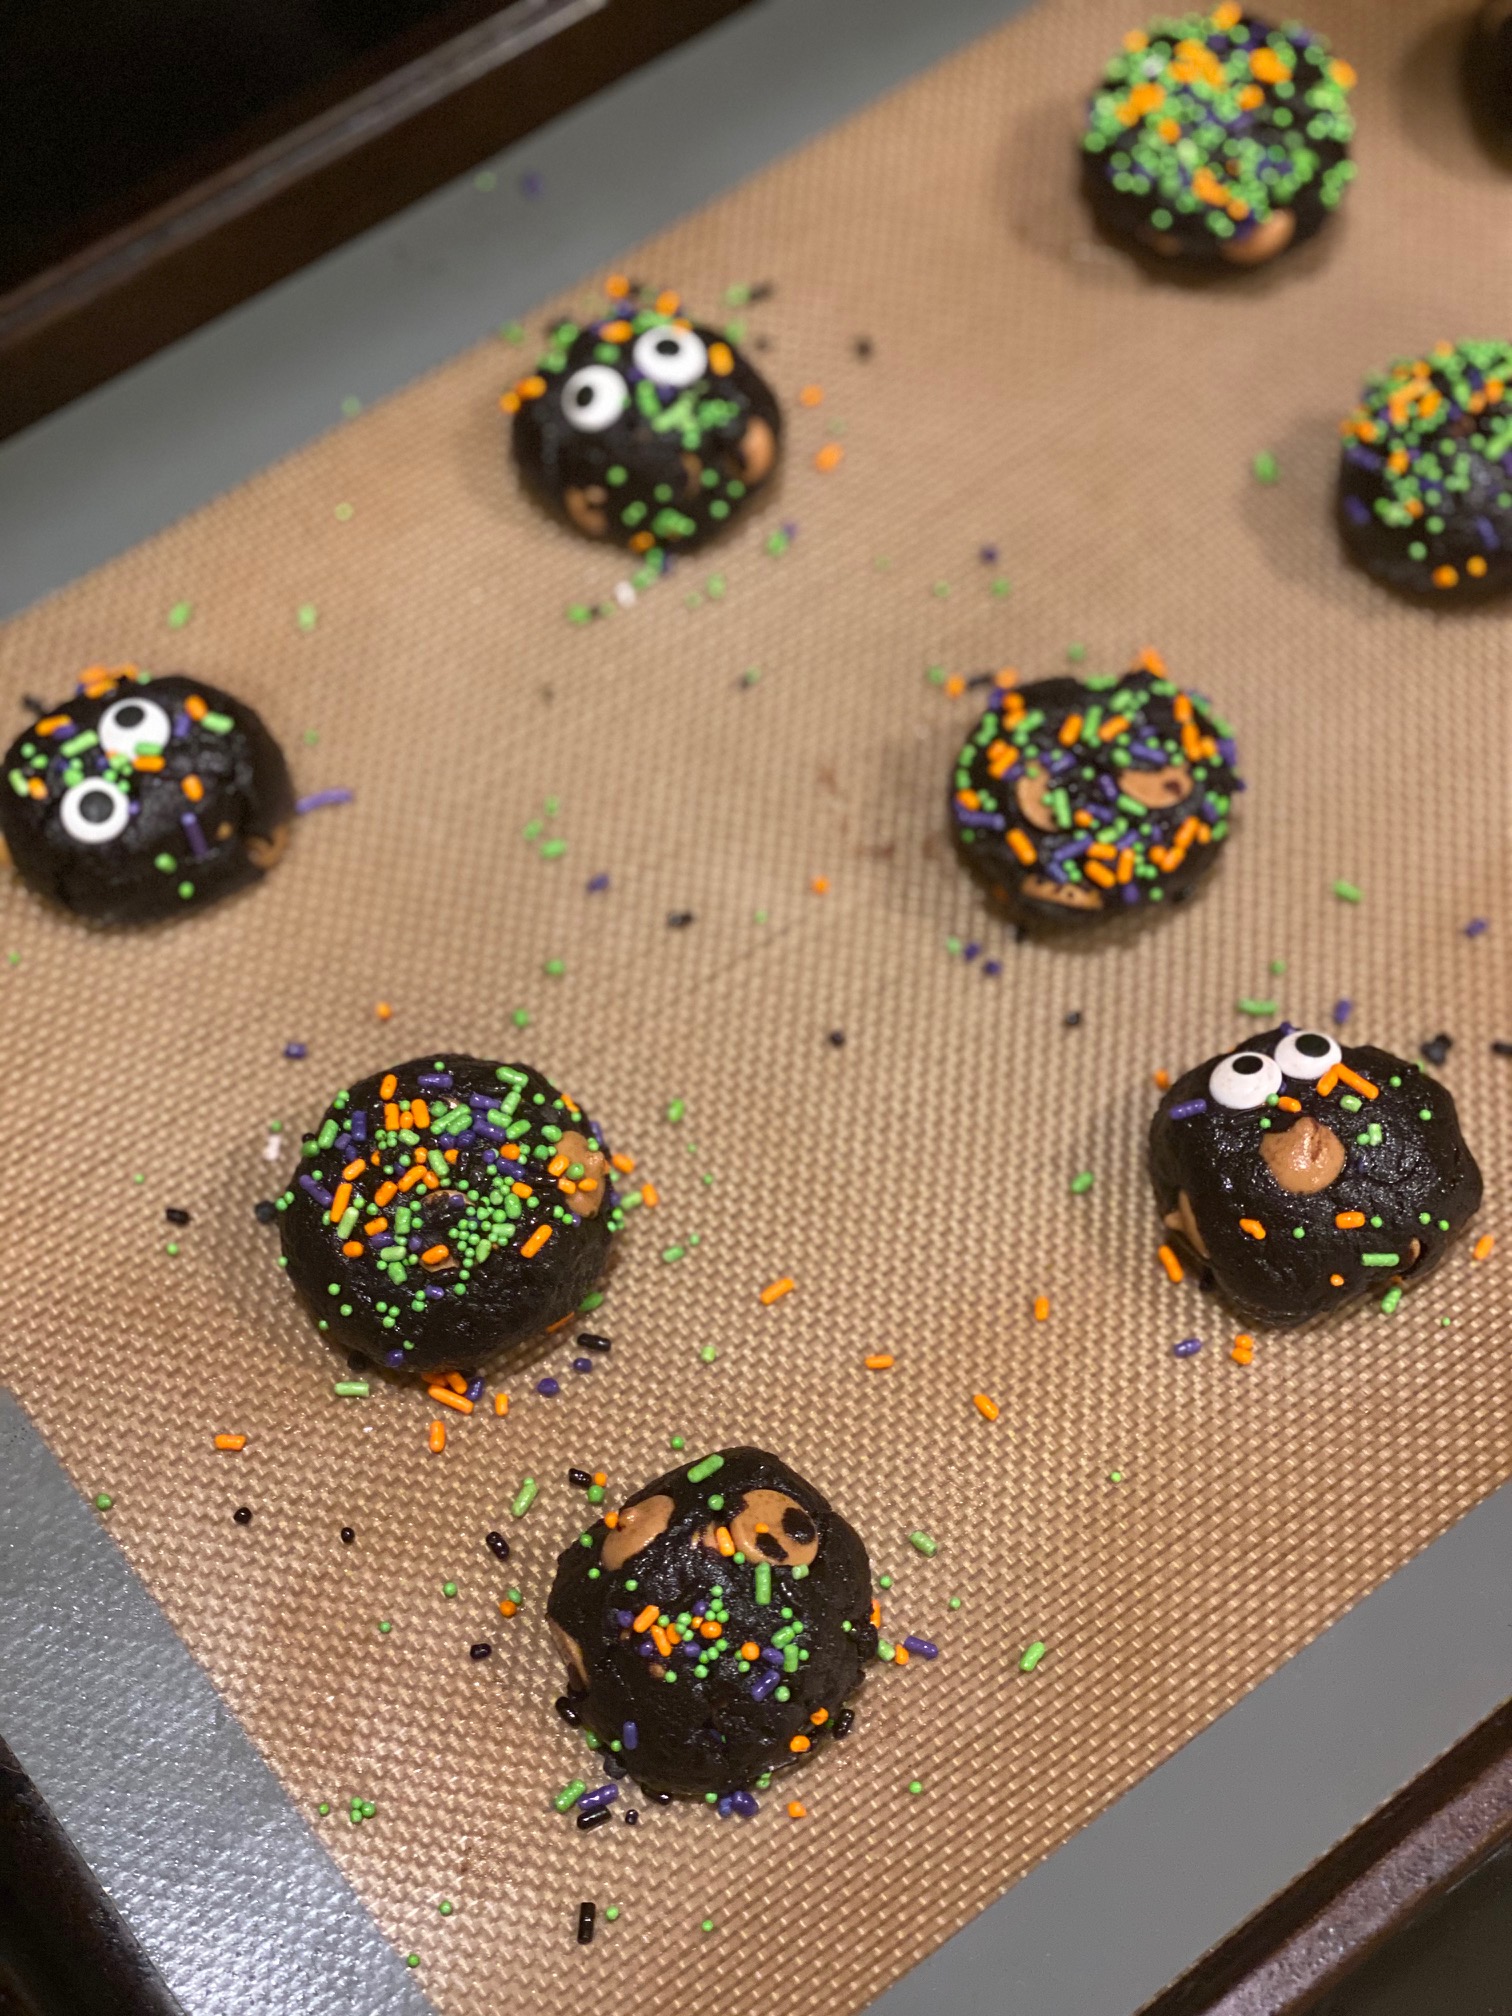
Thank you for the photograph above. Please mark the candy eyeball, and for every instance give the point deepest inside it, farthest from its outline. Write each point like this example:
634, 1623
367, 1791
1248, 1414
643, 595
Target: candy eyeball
594, 398
671, 356
94, 811
1244, 1080
1307, 1053
130, 726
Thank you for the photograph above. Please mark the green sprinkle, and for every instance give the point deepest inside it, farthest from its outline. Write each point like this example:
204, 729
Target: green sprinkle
1347, 892
708, 1354
569, 1795
554, 968
446, 1907
103, 1501
591, 1301
673, 1253
1252, 1006
1265, 467
1380, 1260
706, 1925
762, 1581
1033, 1656
676, 1109
524, 1498
385, 1627
915, 1786
351, 406
343, 514
179, 615
705, 1468
448, 1588
1390, 1300
412, 1959
1082, 1183
923, 1544
306, 616
351, 1389
611, 1914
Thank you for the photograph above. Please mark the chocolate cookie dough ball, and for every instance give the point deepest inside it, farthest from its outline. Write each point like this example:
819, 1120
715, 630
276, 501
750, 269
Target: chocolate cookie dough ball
144, 797
1078, 801
1425, 477
715, 1625
447, 1209
1218, 140
1302, 1175
1488, 62
644, 427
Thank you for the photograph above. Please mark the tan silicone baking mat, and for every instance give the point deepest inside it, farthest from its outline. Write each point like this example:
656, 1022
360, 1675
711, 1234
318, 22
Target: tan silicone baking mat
1028, 389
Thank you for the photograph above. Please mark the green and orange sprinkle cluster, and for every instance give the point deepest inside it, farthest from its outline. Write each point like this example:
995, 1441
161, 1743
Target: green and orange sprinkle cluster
1218, 117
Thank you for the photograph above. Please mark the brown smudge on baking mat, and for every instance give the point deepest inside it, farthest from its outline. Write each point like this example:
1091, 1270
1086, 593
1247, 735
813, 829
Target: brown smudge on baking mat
1028, 388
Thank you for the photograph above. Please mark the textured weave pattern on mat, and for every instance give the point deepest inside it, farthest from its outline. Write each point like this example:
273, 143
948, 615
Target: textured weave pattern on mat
1029, 389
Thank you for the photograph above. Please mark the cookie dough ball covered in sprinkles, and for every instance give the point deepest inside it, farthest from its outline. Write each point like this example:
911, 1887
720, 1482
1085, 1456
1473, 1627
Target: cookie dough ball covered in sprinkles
1217, 139
447, 1209
714, 1627
144, 797
644, 427
1078, 801
1425, 477
1303, 1175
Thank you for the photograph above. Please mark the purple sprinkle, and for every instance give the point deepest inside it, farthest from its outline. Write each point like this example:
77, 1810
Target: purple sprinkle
199, 846
599, 1797
597, 884
531, 183
487, 1129
322, 1197
434, 1081
294, 1051
623, 1618
1476, 928
925, 1648
629, 1735
1488, 535
992, 968
726, 1806
474, 1388
358, 1125
745, 1804
988, 556
1187, 1348
182, 725
646, 1649
1129, 891
790, 527
318, 800
582, 1364
772, 1654
1188, 1109
547, 1388
394, 1357
1362, 458
1343, 1009
970, 951
764, 1684
993, 820
1357, 512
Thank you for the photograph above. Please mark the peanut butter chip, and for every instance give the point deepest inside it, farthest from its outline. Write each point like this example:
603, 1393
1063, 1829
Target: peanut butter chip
1030, 792
770, 1526
586, 1199
264, 851
1184, 1220
1070, 895
572, 1652
1159, 789
1305, 1159
1264, 242
586, 510
639, 1524
757, 450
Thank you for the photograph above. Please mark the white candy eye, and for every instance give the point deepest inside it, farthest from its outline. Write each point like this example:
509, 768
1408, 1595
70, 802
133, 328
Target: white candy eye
670, 356
594, 398
94, 811
128, 726
1246, 1079
1307, 1053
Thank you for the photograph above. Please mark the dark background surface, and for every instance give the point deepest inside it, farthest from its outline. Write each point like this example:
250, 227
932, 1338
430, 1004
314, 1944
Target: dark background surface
1455, 1960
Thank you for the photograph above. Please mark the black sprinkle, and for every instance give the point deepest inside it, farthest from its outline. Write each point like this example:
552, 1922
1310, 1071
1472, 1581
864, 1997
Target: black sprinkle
762, 291
582, 1478
632, 1818
611, 1764
660, 1798
175, 1216
264, 1211
1502, 1049
1073, 1020
482, 1650
599, 1817
1436, 1048
980, 679
591, 1343
678, 920
863, 347
347, 1536
845, 1721
243, 1515
32, 704
763, 343
568, 1713
837, 1038
587, 1912
497, 1544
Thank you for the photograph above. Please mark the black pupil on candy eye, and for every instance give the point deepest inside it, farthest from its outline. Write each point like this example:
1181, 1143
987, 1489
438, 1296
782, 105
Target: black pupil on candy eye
1249, 1064
667, 346
797, 1527
583, 396
129, 717
1313, 1046
96, 807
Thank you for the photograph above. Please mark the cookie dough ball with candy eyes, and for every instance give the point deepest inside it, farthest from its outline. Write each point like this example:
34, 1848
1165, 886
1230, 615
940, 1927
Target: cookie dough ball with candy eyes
1302, 1175
1075, 801
144, 797
714, 1627
643, 427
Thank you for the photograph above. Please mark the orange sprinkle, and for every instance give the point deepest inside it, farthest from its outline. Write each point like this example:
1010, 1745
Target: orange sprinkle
668, 303
1358, 1084
879, 1361
750, 1649
531, 387
661, 1641
1162, 1081
601, 1477
557, 1164
830, 456
798, 1743
1483, 1246
384, 1012
616, 286
1348, 1220
650, 1195
195, 707
436, 1440
501, 1408
642, 541
1023, 846
797, 1810
152, 763
1475, 566
385, 1192
1095, 872
811, 395
389, 1086
536, 1241
1041, 1308
1327, 1082
419, 1115
374, 1226
192, 789
876, 1613
624, 1163
955, 686
1125, 867
1173, 1267
352, 1248
353, 1170
775, 1290
721, 359
454, 1380
1253, 1226
1336, 1280
391, 1116
522, 1190
407, 1181
617, 332
819, 885
340, 1201
986, 1406
506, 1608
711, 1628
1113, 727
1243, 1352
51, 723
1445, 576
1070, 728
1288, 1104
509, 402
444, 1397
900, 1655
723, 1541
645, 1618
230, 1441
819, 1717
